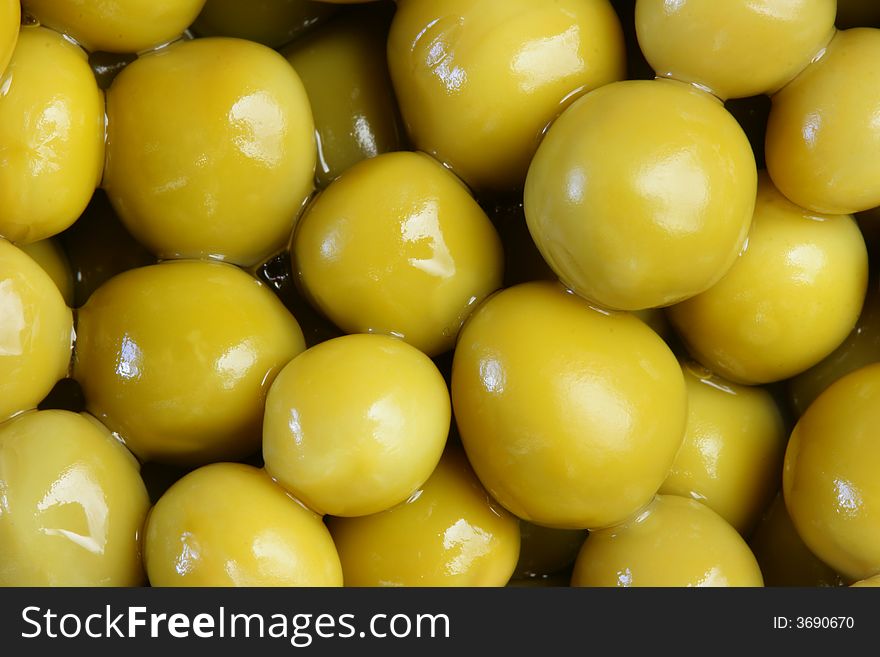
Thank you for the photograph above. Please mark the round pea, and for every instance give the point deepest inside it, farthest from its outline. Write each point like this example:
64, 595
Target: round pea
397, 245
210, 151
36, 332
343, 68
823, 142
790, 299
355, 425
52, 131
675, 541
177, 358
733, 448
571, 416
117, 25
830, 476
479, 80
635, 209
229, 524
73, 503
736, 48
449, 532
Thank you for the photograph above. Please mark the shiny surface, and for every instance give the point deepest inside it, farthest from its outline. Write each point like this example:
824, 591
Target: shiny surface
72, 504
823, 136
355, 425
790, 299
479, 80
51, 257
869, 582
36, 330
99, 247
10, 19
674, 542
342, 66
116, 25
51, 136
449, 533
178, 357
737, 48
636, 209
397, 245
733, 448
545, 551
228, 524
211, 150
861, 347
782, 555
270, 22
830, 478
570, 416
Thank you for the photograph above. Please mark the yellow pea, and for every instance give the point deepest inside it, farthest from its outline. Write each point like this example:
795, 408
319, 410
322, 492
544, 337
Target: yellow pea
229, 524
571, 416
636, 209
343, 68
211, 150
830, 476
479, 80
355, 425
397, 245
117, 25
73, 504
736, 48
448, 533
36, 332
51, 136
674, 542
791, 298
823, 142
177, 358
733, 448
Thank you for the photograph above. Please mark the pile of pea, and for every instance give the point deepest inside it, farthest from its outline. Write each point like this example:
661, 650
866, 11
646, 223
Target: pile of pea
468, 293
